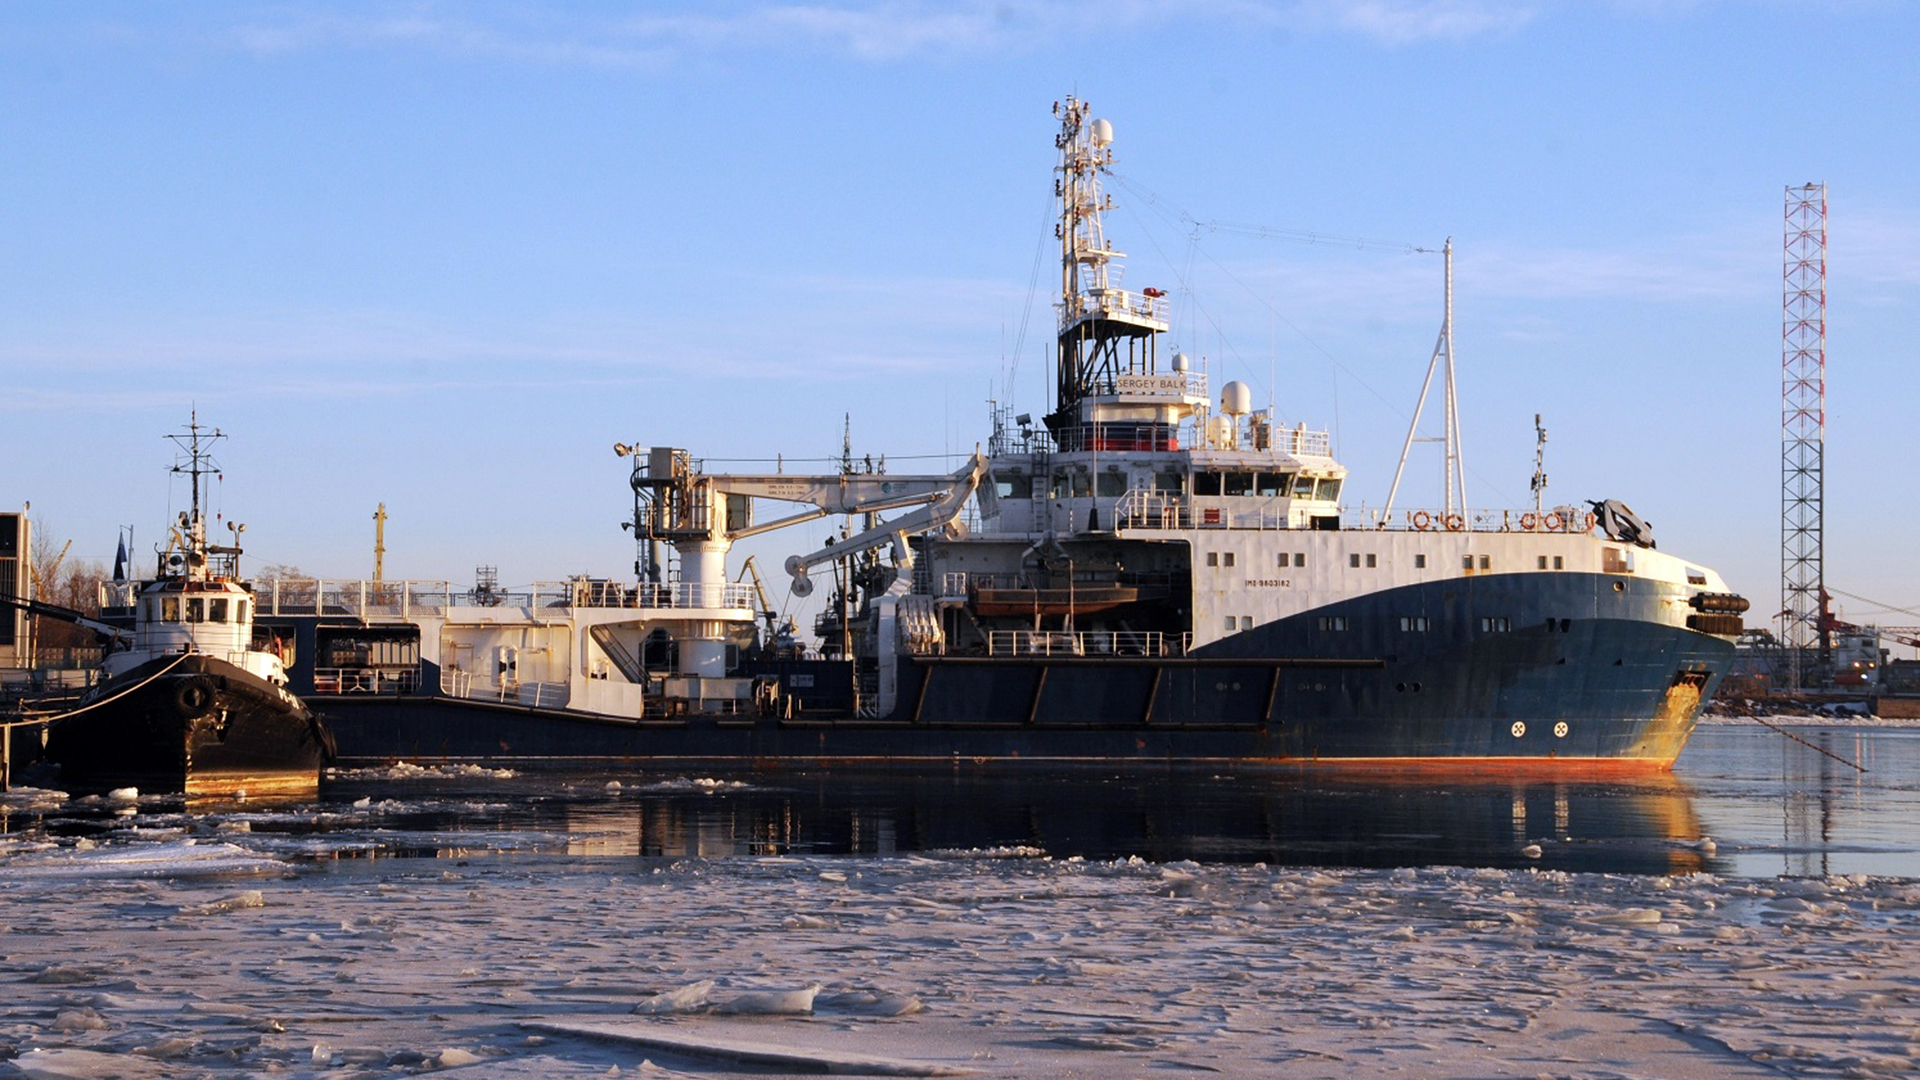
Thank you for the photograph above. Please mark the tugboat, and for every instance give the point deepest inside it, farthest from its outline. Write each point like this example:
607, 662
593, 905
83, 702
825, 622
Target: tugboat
187, 701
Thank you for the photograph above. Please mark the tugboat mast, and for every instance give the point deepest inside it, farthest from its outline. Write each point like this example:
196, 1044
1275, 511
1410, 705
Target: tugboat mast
199, 462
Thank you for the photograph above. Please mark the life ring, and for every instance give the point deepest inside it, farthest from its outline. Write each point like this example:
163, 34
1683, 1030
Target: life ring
1529, 521
1554, 521
193, 697
1453, 522
1590, 520
1422, 520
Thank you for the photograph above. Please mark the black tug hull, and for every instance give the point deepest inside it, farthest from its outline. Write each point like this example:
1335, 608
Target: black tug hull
192, 725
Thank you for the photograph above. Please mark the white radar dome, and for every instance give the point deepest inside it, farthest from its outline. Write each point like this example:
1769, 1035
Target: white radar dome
1180, 361
1220, 431
1102, 133
1236, 399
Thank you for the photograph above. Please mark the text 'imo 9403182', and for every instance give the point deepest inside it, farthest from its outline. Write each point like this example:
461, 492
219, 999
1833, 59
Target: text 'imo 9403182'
1150, 573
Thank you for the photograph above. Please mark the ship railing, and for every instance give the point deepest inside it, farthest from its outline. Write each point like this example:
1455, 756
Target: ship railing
1113, 302
1565, 519
405, 599
538, 695
1097, 643
1144, 509
340, 680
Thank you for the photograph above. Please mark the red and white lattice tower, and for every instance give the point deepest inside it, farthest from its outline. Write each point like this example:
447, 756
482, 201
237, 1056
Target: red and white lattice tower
1803, 436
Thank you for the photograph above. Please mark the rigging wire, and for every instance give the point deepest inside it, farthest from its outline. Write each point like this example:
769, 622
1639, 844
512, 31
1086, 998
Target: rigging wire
1194, 228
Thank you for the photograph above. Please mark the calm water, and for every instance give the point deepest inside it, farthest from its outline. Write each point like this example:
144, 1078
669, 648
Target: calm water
1744, 801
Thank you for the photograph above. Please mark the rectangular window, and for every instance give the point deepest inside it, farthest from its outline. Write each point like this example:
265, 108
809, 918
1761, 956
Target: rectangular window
1413, 624
1228, 560
1419, 562
1082, 485
1246, 622
1167, 481
1333, 623
1329, 490
1112, 485
1303, 487
1495, 624
1486, 562
1557, 563
170, 609
1353, 560
1238, 483
1010, 486
1466, 562
1373, 562
1230, 624
1272, 484
240, 612
217, 609
1299, 558
1213, 558
1206, 483
196, 610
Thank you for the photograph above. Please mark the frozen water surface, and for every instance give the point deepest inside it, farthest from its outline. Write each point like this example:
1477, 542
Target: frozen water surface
1110, 926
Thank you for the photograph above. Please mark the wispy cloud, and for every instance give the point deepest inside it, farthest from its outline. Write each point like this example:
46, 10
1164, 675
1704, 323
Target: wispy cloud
878, 31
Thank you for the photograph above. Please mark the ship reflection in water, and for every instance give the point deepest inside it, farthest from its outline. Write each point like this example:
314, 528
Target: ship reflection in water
1643, 827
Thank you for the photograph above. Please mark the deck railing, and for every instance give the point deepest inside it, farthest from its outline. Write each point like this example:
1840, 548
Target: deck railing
1167, 511
311, 596
1081, 643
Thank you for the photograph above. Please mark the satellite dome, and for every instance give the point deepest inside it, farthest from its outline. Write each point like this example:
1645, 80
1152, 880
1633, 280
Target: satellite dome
1180, 361
1102, 133
1236, 399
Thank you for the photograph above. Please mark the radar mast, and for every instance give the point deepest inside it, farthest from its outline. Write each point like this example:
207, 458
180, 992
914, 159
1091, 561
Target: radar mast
1105, 331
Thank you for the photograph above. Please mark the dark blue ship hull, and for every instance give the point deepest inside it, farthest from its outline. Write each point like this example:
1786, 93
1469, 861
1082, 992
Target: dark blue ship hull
1564, 673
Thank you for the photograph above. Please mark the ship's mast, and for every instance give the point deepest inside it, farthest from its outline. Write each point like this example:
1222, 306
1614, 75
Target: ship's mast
1105, 331
198, 443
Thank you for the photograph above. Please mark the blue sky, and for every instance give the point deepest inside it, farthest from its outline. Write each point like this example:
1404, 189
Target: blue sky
443, 256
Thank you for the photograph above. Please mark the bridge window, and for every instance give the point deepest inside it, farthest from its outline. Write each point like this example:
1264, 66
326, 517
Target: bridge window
1303, 487
170, 609
1206, 483
1237, 483
1272, 484
240, 611
1328, 490
1170, 481
196, 610
217, 609
1010, 486
1112, 485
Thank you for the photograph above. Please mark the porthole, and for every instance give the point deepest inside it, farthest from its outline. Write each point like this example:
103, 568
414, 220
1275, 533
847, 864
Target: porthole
1560, 730
1519, 728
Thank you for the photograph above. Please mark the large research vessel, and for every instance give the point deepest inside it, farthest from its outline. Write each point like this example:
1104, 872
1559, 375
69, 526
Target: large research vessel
1149, 573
